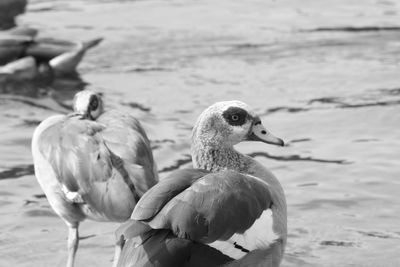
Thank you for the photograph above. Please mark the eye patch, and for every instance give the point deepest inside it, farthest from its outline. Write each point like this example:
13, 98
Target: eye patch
94, 103
235, 116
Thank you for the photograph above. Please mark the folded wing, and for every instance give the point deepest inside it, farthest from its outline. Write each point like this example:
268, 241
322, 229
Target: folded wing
203, 206
81, 154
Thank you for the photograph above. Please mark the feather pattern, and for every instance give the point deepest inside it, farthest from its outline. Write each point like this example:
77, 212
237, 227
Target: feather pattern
259, 235
162, 248
92, 159
203, 206
156, 198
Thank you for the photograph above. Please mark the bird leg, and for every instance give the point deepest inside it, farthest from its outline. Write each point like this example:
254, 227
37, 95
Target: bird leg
73, 241
118, 249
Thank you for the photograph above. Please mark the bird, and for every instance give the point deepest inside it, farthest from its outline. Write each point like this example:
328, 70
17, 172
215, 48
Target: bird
25, 57
92, 163
67, 62
228, 210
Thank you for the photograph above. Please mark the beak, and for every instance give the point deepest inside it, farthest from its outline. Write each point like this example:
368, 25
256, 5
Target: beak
259, 133
84, 115
88, 114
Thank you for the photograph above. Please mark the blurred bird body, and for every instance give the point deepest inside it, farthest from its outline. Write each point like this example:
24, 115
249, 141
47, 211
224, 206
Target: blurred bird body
94, 167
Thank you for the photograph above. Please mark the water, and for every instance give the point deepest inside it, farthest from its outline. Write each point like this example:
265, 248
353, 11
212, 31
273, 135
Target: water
330, 91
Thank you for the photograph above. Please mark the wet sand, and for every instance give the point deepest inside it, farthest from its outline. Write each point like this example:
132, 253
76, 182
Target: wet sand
325, 77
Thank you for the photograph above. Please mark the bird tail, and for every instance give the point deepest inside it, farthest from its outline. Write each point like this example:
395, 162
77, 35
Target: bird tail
157, 247
68, 61
91, 43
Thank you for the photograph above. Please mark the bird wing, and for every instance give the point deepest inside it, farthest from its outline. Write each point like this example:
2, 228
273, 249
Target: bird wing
202, 206
74, 148
84, 163
155, 199
162, 248
125, 137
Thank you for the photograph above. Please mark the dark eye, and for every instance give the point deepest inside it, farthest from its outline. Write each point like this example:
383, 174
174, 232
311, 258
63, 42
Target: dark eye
235, 117
94, 103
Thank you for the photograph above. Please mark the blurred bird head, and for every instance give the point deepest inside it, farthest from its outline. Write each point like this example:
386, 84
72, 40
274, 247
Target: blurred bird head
88, 103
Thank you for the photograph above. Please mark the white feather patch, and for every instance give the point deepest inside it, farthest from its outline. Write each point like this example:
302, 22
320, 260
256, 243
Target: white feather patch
74, 197
259, 236
82, 101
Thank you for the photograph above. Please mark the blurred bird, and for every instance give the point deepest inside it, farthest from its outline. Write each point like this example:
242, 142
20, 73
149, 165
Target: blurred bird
68, 61
22, 31
13, 44
230, 210
26, 57
92, 164
20, 69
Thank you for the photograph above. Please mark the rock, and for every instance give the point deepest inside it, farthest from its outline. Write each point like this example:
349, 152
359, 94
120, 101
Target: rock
9, 9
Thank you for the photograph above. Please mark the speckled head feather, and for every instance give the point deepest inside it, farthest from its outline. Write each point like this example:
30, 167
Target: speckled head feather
219, 128
88, 103
224, 123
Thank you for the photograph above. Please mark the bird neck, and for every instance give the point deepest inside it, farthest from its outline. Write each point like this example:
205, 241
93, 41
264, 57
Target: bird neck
215, 158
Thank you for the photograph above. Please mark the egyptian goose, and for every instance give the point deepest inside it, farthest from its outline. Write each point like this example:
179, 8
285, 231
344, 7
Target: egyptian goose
92, 164
229, 210
24, 57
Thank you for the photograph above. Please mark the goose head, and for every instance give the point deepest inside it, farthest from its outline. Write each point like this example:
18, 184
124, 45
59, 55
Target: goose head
88, 103
225, 124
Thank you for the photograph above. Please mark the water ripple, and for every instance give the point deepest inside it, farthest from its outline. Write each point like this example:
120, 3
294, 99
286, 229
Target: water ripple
338, 243
378, 97
139, 106
379, 234
298, 158
39, 196
17, 171
356, 29
177, 164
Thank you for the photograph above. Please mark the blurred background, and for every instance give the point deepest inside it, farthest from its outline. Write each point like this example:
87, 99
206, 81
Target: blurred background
323, 75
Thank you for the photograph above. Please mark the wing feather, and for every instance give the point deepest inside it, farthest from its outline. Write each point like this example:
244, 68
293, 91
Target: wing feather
74, 149
203, 206
155, 199
217, 206
125, 137
81, 157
